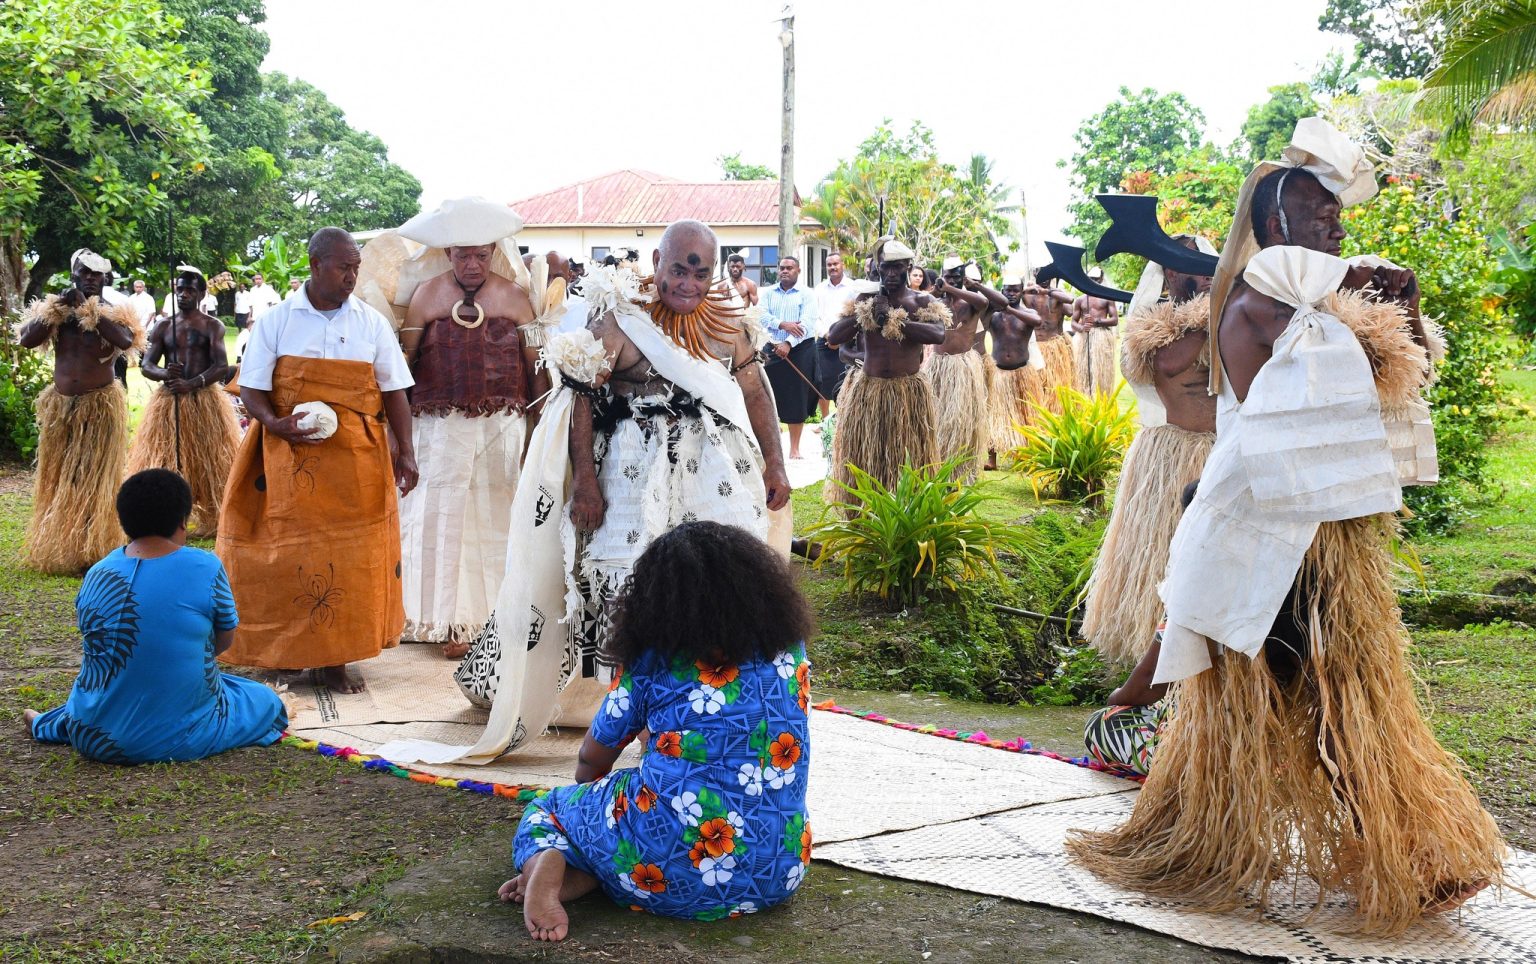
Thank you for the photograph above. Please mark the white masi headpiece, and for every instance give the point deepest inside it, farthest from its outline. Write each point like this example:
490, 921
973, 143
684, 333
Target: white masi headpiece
90, 260
895, 251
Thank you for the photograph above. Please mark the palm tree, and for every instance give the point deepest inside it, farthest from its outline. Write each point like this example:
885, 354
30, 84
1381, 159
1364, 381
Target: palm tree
1486, 71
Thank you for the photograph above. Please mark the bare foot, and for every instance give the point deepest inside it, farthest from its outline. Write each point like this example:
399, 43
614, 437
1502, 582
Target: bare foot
455, 650
543, 914
512, 891
1452, 894
29, 716
794, 455
338, 680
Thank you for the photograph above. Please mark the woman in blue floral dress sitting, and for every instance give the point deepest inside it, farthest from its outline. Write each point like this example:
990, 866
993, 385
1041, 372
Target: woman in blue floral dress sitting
708, 643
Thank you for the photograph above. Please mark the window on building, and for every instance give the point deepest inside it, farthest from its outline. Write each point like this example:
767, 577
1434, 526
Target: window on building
598, 254
762, 262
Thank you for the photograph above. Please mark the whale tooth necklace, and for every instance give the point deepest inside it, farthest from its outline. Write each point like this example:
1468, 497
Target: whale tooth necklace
467, 301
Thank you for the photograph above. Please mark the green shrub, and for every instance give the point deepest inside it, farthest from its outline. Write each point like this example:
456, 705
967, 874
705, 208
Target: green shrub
1071, 456
922, 536
960, 644
1455, 271
1515, 280
24, 373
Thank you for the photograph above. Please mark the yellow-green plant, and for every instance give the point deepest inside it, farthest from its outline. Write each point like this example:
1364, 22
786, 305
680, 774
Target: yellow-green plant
1071, 455
922, 535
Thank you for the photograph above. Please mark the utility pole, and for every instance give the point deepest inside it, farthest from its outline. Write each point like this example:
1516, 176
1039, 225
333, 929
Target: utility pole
787, 216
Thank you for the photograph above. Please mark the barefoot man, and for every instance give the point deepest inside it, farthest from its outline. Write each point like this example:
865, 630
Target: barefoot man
886, 412
1054, 342
1014, 361
189, 425
82, 420
1299, 748
310, 530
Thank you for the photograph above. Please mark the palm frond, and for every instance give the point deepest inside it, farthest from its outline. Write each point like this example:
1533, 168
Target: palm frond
1484, 71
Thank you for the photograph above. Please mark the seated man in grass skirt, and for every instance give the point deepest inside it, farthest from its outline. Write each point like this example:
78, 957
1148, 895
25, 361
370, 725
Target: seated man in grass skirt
189, 425
1283, 630
310, 530
887, 417
82, 420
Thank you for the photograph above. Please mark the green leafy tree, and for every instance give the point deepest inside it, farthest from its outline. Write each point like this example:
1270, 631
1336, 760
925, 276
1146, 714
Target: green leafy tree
735, 169
1455, 271
334, 174
1494, 180
931, 206
1144, 131
1269, 125
97, 103
1336, 74
1197, 197
1486, 71
1390, 39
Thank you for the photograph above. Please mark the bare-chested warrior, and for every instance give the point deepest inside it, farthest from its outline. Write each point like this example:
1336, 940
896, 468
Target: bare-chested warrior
956, 370
1166, 360
1054, 343
1013, 366
1094, 345
886, 416
189, 425
735, 268
82, 420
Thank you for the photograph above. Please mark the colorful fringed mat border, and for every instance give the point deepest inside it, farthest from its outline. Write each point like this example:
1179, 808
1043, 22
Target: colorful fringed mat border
524, 794
979, 738
378, 764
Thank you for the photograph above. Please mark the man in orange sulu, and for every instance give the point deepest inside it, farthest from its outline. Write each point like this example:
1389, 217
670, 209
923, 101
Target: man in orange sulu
310, 530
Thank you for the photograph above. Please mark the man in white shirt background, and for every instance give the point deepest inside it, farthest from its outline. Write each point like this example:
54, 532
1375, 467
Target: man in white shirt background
142, 302
262, 297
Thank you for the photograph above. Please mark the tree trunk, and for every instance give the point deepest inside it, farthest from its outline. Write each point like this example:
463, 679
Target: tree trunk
13, 275
47, 266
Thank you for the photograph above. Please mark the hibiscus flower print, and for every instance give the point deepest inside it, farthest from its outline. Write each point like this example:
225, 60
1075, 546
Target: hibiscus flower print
669, 743
645, 799
648, 878
688, 809
717, 676
697, 853
803, 679
777, 779
784, 751
784, 665
620, 807
705, 699
717, 836
717, 870
750, 776
793, 876
805, 844
616, 704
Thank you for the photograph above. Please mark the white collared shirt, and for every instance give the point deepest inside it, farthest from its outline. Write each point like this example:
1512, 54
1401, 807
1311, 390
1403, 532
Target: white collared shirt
832, 298
143, 304
296, 327
263, 299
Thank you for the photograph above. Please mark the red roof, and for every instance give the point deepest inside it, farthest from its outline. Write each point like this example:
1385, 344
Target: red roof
640, 197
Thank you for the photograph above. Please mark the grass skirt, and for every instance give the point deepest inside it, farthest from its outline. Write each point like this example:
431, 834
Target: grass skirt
960, 395
1240, 796
882, 424
210, 434
1123, 608
1007, 407
1094, 360
82, 443
1060, 369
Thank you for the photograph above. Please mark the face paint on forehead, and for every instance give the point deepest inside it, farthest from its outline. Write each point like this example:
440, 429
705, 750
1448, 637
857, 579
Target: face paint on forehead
693, 259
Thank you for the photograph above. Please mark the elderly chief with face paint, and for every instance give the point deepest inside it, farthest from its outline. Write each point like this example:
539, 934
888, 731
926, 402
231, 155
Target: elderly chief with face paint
82, 420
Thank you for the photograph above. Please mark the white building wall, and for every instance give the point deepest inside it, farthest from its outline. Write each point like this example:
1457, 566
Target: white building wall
581, 240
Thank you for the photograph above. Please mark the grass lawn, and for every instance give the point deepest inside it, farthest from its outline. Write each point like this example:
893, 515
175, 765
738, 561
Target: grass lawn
231, 859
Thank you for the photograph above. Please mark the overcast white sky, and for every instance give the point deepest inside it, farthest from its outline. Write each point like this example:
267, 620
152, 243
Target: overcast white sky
508, 99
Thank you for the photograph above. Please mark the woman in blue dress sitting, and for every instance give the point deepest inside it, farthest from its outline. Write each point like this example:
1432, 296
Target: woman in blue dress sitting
708, 642
153, 615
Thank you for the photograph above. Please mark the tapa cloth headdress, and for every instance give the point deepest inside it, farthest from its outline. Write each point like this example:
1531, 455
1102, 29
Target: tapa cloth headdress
397, 262
894, 250
952, 262
182, 269
90, 260
1338, 163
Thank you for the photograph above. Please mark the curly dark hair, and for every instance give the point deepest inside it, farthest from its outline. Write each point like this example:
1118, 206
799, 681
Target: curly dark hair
708, 591
154, 502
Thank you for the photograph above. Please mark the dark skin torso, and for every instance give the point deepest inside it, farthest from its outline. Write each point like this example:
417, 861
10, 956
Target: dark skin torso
195, 360
1051, 305
1090, 312
505, 304
1011, 327
967, 308
82, 360
883, 357
1181, 384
